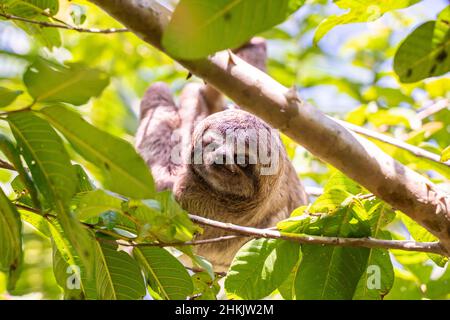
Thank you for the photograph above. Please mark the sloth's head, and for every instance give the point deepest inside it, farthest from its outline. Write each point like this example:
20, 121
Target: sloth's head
236, 154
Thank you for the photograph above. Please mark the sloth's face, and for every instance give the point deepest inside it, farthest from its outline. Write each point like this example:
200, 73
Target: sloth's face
232, 151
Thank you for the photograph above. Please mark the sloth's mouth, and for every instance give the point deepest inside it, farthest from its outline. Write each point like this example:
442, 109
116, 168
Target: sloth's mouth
226, 181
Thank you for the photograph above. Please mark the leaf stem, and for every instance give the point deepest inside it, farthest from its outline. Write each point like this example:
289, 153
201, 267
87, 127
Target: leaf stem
63, 25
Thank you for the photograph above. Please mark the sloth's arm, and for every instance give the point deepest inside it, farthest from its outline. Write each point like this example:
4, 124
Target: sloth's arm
197, 101
253, 52
156, 137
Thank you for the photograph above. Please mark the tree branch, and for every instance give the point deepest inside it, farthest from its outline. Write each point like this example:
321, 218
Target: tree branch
313, 191
430, 247
418, 152
258, 93
269, 233
433, 108
46, 24
6, 165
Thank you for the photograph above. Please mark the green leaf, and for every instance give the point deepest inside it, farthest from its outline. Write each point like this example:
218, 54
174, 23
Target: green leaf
204, 287
50, 6
439, 288
441, 28
417, 59
339, 181
75, 83
438, 88
405, 287
37, 10
84, 182
67, 276
351, 88
162, 219
94, 203
359, 11
392, 117
37, 221
420, 234
117, 220
48, 37
351, 220
199, 28
287, 288
30, 8
185, 228
8, 96
76, 280
10, 240
45, 155
378, 279
66, 263
416, 263
329, 272
445, 155
338, 191
52, 172
78, 14
260, 267
61, 242
198, 262
123, 170
118, 276
389, 97
164, 273
10, 151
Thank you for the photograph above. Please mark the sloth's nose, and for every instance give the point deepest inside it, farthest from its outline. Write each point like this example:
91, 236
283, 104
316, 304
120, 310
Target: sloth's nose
219, 161
230, 167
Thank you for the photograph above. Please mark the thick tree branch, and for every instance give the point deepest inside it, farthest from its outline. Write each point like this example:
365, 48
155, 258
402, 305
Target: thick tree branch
46, 24
258, 93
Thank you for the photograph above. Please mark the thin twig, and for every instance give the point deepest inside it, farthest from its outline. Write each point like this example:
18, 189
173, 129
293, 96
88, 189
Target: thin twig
6, 165
314, 191
272, 233
27, 208
431, 247
433, 108
46, 24
418, 152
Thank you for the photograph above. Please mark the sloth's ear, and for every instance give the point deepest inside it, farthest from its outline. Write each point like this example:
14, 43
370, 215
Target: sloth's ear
254, 52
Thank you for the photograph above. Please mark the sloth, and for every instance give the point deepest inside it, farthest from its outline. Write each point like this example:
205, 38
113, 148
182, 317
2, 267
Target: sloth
223, 164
